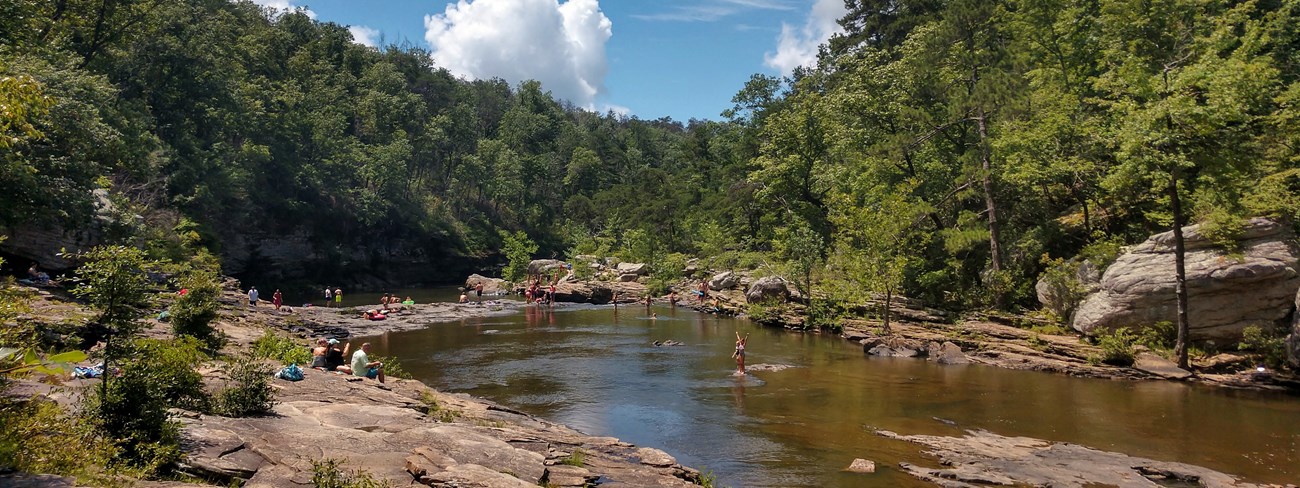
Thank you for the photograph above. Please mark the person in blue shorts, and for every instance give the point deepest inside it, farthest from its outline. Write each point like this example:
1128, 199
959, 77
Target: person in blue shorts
363, 366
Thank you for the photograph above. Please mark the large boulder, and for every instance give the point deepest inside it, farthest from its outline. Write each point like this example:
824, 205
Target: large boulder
1226, 293
545, 266
725, 280
581, 292
491, 286
1293, 341
768, 288
632, 268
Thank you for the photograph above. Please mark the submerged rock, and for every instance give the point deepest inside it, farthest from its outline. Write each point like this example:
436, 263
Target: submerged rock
983, 458
860, 465
1227, 293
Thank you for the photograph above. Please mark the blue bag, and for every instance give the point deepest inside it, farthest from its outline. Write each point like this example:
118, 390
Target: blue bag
291, 372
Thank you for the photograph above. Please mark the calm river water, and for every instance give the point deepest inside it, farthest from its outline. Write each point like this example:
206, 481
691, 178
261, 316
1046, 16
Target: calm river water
595, 369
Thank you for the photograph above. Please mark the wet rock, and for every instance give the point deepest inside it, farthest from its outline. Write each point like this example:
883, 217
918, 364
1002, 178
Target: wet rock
1160, 366
1226, 293
948, 353
768, 288
654, 457
583, 292
860, 465
983, 458
723, 281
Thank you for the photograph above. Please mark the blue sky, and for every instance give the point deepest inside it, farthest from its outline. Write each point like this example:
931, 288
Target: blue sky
677, 58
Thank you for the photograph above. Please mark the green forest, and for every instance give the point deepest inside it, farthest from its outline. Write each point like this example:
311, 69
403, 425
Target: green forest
950, 151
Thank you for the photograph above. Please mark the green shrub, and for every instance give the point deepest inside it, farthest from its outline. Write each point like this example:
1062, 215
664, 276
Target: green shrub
281, 349
329, 473
249, 392
434, 409
38, 436
519, 250
155, 376
192, 314
1267, 347
393, 367
1158, 336
575, 458
825, 314
1116, 348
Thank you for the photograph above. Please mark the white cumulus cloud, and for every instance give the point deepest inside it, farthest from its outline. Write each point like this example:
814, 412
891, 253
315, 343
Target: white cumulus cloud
561, 45
798, 47
364, 36
283, 6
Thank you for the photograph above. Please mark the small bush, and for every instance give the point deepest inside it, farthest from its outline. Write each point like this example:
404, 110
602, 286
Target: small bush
1159, 336
282, 349
434, 409
249, 392
1268, 348
575, 458
825, 314
329, 473
192, 313
1116, 348
393, 367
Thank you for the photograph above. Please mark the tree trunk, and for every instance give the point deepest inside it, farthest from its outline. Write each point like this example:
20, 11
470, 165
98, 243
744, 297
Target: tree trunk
1180, 272
889, 302
995, 244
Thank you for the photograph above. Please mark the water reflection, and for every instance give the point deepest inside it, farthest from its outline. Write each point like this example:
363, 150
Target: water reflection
596, 369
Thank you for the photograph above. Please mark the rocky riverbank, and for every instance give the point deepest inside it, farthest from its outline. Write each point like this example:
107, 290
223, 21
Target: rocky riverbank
400, 432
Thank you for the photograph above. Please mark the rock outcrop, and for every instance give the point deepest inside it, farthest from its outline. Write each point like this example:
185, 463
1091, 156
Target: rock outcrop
402, 432
982, 458
1293, 342
583, 292
768, 288
1227, 293
545, 266
723, 281
491, 286
637, 269
44, 242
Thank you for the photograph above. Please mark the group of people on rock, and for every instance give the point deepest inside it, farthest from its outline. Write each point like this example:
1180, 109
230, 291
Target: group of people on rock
329, 356
541, 296
389, 299
277, 298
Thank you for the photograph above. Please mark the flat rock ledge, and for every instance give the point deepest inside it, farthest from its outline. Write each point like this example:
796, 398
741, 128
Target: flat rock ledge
981, 458
408, 434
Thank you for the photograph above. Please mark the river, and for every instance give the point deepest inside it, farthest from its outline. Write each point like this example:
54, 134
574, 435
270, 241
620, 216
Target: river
595, 369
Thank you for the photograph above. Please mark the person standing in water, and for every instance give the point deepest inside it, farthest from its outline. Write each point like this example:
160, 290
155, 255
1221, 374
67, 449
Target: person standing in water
740, 352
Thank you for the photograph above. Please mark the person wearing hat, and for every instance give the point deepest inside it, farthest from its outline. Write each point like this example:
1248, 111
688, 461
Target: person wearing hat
334, 357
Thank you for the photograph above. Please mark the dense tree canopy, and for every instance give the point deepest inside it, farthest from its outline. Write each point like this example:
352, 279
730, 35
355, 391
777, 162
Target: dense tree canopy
941, 147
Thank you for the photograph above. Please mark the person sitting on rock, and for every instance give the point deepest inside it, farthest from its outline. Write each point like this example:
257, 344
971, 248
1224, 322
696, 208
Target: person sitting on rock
319, 353
334, 357
408, 301
464, 298
363, 366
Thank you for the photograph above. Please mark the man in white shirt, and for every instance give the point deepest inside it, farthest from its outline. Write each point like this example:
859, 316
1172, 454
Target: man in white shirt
363, 366
252, 296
